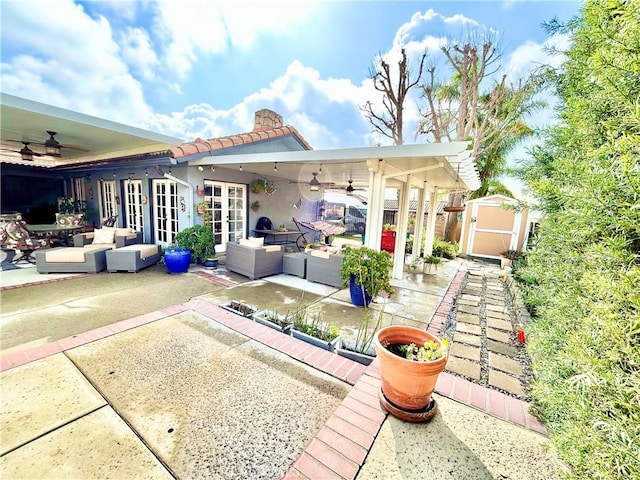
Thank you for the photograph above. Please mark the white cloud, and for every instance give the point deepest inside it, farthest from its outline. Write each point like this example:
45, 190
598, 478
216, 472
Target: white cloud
81, 69
190, 28
138, 52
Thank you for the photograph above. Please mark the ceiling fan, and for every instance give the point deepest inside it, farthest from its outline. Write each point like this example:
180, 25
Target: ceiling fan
314, 183
51, 146
25, 152
351, 190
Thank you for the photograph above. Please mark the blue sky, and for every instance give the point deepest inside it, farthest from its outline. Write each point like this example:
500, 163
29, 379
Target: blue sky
202, 68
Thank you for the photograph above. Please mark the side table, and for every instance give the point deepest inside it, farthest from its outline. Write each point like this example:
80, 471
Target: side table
295, 264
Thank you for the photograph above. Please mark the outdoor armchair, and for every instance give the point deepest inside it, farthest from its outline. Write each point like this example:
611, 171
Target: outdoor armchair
254, 261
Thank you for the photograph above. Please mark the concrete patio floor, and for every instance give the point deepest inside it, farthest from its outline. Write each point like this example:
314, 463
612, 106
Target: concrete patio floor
146, 395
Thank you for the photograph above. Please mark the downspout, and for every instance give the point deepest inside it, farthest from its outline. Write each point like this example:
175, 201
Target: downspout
190, 205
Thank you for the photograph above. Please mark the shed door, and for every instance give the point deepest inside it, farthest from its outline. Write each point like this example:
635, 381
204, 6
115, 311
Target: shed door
493, 229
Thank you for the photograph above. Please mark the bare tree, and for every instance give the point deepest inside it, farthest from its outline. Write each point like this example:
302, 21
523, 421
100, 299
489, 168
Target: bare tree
390, 122
460, 111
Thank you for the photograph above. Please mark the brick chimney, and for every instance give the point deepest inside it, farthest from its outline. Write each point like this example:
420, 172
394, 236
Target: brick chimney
267, 119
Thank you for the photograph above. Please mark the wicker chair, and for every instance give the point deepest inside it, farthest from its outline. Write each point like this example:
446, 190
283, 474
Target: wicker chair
254, 262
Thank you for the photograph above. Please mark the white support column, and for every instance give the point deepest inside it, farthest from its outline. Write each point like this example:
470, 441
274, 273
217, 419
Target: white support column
419, 225
401, 229
431, 222
373, 231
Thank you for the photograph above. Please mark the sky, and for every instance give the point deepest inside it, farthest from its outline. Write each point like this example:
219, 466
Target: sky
203, 68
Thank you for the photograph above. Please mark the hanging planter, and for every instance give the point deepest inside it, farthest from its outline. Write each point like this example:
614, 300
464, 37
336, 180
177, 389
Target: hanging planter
454, 208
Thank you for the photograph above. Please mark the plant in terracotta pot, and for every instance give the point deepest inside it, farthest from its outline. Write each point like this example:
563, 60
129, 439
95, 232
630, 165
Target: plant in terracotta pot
259, 185
255, 205
201, 207
366, 272
410, 361
199, 240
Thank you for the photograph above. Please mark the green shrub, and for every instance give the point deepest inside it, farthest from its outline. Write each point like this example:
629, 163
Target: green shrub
582, 276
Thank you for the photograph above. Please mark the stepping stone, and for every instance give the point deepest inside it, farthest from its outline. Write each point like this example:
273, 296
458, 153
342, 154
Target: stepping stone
502, 348
468, 318
468, 328
508, 365
467, 338
469, 309
464, 367
472, 303
498, 315
495, 308
473, 298
499, 324
474, 285
498, 335
495, 299
465, 351
471, 291
505, 382
495, 288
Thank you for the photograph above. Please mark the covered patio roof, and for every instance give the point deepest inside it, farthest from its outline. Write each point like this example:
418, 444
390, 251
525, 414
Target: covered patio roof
84, 138
446, 166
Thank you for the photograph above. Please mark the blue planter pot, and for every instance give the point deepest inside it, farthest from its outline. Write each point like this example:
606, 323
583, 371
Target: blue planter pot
177, 260
356, 294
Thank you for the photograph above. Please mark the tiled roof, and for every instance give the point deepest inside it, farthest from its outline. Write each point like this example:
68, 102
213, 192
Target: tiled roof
204, 146
413, 206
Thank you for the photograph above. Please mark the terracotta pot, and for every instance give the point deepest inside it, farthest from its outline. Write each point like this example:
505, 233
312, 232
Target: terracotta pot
405, 383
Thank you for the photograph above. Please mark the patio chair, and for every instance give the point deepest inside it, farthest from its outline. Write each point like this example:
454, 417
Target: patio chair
14, 236
325, 228
109, 221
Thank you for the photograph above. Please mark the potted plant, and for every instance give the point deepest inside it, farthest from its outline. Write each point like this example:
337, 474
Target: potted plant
275, 320
361, 350
259, 185
508, 257
430, 264
199, 240
255, 206
388, 241
210, 262
282, 228
177, 259
312, 329
367, 273
410, 361
201, 207
240, 308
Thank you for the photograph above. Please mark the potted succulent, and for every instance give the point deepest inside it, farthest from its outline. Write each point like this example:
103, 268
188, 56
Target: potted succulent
508, 257
367, 273
255, 205
199, 240
312, 329
410, 361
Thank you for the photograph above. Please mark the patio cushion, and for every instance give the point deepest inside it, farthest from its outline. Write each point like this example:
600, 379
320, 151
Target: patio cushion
145, 250
272, 248
320, 254
252, 242
104, 235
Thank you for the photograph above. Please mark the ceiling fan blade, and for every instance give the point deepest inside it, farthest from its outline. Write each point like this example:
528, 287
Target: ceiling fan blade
74, 147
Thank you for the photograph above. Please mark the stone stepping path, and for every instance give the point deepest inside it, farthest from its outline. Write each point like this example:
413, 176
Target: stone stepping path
484, 335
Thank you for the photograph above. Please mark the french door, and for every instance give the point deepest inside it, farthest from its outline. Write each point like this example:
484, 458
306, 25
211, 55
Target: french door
228, 207
133, 204
108, 201
165, 211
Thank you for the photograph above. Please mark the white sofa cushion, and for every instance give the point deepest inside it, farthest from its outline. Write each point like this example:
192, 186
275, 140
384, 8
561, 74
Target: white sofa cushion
252, 242
104, 235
